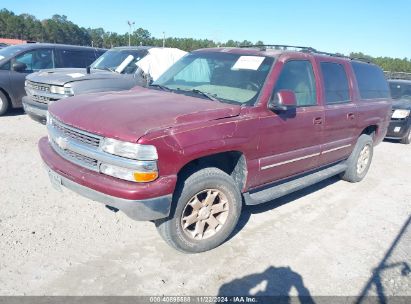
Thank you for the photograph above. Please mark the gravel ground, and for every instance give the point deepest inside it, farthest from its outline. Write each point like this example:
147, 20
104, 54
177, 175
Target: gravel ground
335, 238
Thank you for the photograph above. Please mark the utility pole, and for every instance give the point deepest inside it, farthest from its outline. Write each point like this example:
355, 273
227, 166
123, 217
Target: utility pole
164, 39
130, 23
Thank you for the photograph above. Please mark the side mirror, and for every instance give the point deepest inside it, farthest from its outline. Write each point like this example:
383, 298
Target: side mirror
283, 101
19, 66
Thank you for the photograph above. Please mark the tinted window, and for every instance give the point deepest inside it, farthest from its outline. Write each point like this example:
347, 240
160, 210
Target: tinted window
36, 60
298, 76
76, 58
400, 90
335, 83
371, 81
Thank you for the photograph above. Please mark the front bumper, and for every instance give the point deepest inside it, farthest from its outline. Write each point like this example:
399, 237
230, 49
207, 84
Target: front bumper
142, 202
398, 128
36, 110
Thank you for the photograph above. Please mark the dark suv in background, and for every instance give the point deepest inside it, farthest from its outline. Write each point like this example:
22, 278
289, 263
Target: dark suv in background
17, 61
400, 125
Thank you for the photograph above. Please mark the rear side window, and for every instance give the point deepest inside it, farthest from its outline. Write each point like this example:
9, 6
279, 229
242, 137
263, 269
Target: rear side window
371, 81
298, 76
335, 83
76, 58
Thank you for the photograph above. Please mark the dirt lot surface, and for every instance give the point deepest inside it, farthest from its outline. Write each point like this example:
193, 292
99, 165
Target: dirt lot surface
335, 238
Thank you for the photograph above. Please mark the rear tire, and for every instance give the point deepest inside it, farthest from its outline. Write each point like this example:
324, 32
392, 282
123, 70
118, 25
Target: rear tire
360, 160
4, 103
407, 139
207, 206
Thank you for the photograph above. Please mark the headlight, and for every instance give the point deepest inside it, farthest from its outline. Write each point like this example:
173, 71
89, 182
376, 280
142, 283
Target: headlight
66, 90
56, 89
400, 114
146, 171
129, 150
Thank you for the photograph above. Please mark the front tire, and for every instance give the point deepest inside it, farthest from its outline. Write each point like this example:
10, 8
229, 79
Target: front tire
207, 208
407, 139
360, 160
4, 103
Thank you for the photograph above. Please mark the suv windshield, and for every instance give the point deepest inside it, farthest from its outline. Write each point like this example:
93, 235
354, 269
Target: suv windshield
121, 61
10, 51
400, 90
226, 77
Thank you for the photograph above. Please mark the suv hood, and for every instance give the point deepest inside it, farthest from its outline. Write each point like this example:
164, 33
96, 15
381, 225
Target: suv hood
63, 76
128, 115
402, 104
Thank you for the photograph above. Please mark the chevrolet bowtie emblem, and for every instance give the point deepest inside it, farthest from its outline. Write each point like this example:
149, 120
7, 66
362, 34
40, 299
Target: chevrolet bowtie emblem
62, 142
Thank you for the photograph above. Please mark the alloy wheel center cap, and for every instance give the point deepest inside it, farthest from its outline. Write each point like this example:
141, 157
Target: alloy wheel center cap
204, 213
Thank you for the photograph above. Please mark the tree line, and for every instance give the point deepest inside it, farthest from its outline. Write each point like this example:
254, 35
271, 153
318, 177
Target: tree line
58, 29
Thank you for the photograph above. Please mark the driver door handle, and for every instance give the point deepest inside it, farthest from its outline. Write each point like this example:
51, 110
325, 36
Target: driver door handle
318, 121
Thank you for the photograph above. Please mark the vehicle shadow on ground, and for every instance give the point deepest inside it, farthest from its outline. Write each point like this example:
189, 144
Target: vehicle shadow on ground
14, 112
377, 273
271, 286
248, 210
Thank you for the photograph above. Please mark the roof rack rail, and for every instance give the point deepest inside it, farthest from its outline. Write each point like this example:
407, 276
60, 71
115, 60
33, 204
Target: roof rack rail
264, 47
308, 49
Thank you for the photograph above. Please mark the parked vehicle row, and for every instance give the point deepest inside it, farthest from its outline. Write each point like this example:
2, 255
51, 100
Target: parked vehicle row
219, 127
17, 61
120, 68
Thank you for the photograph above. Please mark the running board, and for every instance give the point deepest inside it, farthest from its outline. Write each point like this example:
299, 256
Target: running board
287, 187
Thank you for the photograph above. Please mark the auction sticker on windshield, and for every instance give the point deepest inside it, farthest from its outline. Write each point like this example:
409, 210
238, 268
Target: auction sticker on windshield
248, 63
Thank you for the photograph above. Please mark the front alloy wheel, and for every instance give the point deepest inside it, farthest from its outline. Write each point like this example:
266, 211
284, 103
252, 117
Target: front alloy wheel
207, 206
205, 214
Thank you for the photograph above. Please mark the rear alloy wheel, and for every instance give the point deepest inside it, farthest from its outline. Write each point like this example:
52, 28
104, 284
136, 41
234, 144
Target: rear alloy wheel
364, 159
407, 139
360, 160
207, 206
4, 103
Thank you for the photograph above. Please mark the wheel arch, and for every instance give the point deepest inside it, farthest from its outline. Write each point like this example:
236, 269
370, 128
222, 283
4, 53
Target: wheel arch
231, 162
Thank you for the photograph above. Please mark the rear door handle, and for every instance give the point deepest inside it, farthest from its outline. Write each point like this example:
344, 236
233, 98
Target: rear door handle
318, 120
350, 116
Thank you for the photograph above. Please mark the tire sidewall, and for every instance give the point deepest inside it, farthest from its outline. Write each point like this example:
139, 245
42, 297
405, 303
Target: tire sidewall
4, 103
363, 141
192, 186
407, 138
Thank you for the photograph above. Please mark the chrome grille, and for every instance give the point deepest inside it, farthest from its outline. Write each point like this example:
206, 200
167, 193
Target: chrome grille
76, 158
41, 99
38, 86
78, 135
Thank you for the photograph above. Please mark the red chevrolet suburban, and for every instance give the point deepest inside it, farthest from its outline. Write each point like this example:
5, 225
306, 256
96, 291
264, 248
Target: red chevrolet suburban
221, 128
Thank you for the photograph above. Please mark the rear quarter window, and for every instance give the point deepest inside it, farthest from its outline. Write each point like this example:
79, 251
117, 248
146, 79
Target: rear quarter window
76, 58
371, 81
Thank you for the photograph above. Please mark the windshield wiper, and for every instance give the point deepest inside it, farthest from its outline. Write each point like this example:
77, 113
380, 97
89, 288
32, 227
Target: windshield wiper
208, 95
164, 88
105, 69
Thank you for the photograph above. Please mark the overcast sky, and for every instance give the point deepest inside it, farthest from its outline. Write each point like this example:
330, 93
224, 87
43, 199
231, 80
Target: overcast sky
377, 28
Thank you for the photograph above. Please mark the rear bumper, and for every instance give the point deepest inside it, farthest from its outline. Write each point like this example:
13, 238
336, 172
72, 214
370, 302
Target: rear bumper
142, 202
398, 128
36, 110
